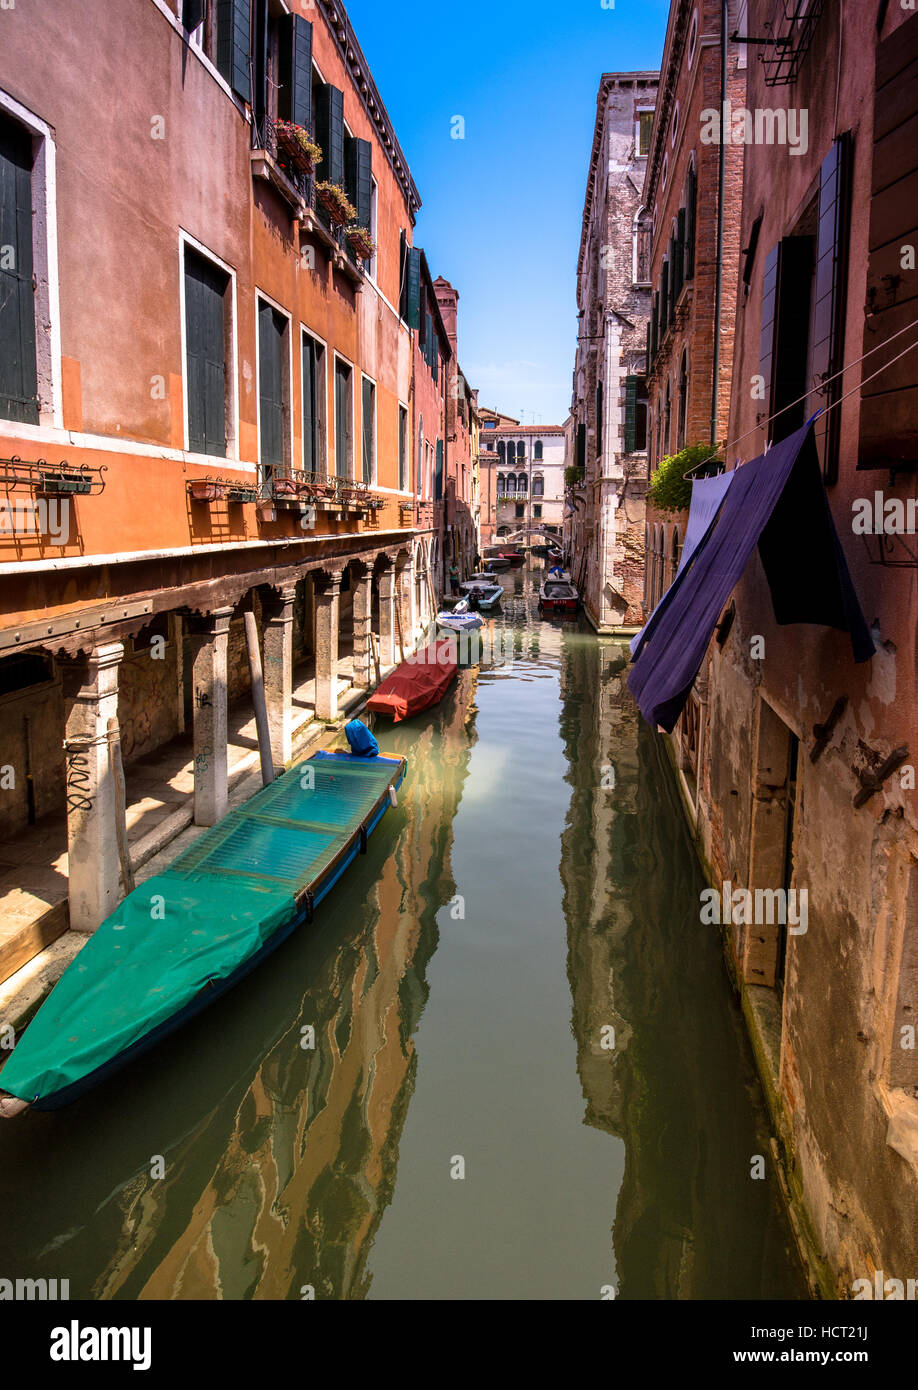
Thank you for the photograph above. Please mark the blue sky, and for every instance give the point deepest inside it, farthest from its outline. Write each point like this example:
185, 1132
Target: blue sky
502, 208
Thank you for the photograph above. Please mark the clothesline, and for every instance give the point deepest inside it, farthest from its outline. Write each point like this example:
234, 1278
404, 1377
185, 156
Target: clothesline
825, 409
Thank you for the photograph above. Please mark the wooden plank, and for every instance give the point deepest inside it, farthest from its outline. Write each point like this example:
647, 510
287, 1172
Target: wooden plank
21, 944
896, 155
897, 51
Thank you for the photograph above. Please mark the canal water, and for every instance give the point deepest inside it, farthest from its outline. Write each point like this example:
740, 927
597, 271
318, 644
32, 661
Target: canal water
504, 1063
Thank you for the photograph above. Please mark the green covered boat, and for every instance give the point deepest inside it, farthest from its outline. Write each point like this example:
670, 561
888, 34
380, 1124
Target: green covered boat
187, 935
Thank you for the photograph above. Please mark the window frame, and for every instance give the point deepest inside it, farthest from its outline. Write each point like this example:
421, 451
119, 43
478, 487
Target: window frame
321, 395
230, 352
349, 474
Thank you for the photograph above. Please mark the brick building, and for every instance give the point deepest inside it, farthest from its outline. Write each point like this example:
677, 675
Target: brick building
460, 522
604, 541
795, 763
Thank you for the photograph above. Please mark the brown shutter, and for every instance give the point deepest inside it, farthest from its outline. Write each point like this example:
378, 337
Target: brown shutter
831, 298
785, 334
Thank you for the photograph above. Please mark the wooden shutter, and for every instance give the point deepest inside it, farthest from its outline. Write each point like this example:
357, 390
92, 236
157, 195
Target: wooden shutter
664, 299
831, 297
368, 422
205, 355
889, 404
294, 96
413, 288
654, 318
18, 365
581, 447
785, 333
679, 262
631, 383
671, 272
342, 416
234, 27
438, 476
329, 123
271, 330
691, 203
311, 403
358, 165
402, 448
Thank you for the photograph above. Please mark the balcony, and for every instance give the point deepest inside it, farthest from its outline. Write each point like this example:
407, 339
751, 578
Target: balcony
50, 479
296, 185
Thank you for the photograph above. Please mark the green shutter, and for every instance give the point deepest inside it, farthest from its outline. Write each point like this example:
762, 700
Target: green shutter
311, 403
413, 306
367, 421
438, 477
691, 200
18, 365
679, 255
664, 299
271, 330
631, 383
785, 333
358, 162
234, 27
329, 133
294, 95
205, 355
402, 449
342, 415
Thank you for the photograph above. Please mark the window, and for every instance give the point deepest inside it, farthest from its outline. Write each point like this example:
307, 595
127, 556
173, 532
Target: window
520, 511
368, 430
644, 131
419, 458
831, 296
18, 354
785, 330
522, 483
207, 379
438, 475
501, 450
374, 223
409, 295
273, 391
537, 512
683, 403
742, 29
693, 38
538, 449
688, 225
344, 412
233, 20
635, 414
538, 486
888, 435
674, 126
358, 178
501, 484
641, 248
402, 449
315, 456
511, 484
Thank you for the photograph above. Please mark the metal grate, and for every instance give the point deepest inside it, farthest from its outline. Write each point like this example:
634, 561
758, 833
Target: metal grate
790, 33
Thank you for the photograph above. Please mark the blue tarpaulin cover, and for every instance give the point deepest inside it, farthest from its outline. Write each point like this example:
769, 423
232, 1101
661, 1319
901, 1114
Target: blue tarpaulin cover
707, 495
779, 503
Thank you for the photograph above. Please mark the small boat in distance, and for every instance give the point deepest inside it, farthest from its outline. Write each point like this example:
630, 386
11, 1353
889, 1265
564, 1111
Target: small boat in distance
460, 619
188, 934
483, 579
485, 596
514, 557
497, 562
418, 683
558, 596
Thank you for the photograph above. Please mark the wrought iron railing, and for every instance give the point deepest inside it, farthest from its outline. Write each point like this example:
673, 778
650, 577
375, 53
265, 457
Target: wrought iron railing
51, 479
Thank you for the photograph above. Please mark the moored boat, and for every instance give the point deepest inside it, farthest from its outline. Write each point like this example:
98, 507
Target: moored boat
485, 596
418, 683
558, 596
513, 557
497, 562
460, 619
187, 935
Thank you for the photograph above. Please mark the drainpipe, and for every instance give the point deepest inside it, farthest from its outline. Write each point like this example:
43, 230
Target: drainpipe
721, 178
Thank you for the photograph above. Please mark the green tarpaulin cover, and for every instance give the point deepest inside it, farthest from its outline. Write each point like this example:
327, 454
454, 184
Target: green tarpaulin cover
198, 922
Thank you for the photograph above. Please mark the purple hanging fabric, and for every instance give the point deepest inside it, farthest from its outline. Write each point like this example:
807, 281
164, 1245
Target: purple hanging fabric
779, 503
707, 495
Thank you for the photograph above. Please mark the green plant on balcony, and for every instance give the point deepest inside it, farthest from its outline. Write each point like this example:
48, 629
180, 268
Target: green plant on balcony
362, 242
336, 203
296, 145
670, 490
573, 476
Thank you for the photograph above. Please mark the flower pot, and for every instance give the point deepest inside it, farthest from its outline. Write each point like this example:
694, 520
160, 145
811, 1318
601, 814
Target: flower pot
336, 203
201, 490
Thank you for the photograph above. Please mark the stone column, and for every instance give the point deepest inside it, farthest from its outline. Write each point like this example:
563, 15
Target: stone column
209, 677
328, 605
363, 619
387, 583
90, 689
409, 617
278, 673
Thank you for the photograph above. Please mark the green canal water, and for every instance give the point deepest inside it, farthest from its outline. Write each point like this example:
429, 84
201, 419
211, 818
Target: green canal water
504, 1063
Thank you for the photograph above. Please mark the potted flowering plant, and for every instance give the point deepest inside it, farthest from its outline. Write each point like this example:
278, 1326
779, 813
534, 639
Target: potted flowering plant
336, 203
295, 143
205, 490
284, 487
361, 241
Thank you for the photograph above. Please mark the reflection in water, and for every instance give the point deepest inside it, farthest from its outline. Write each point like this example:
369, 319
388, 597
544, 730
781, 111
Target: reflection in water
449, 1018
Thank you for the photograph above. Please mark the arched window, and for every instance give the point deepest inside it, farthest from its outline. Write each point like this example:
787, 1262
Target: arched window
511, 484
501, 450
521, 452
683, 402
501, 484
538, 486
523, 484
676, 552
641, 236
538, 449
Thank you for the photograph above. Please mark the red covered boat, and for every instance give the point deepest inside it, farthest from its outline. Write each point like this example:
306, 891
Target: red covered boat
558, 596
419, 682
